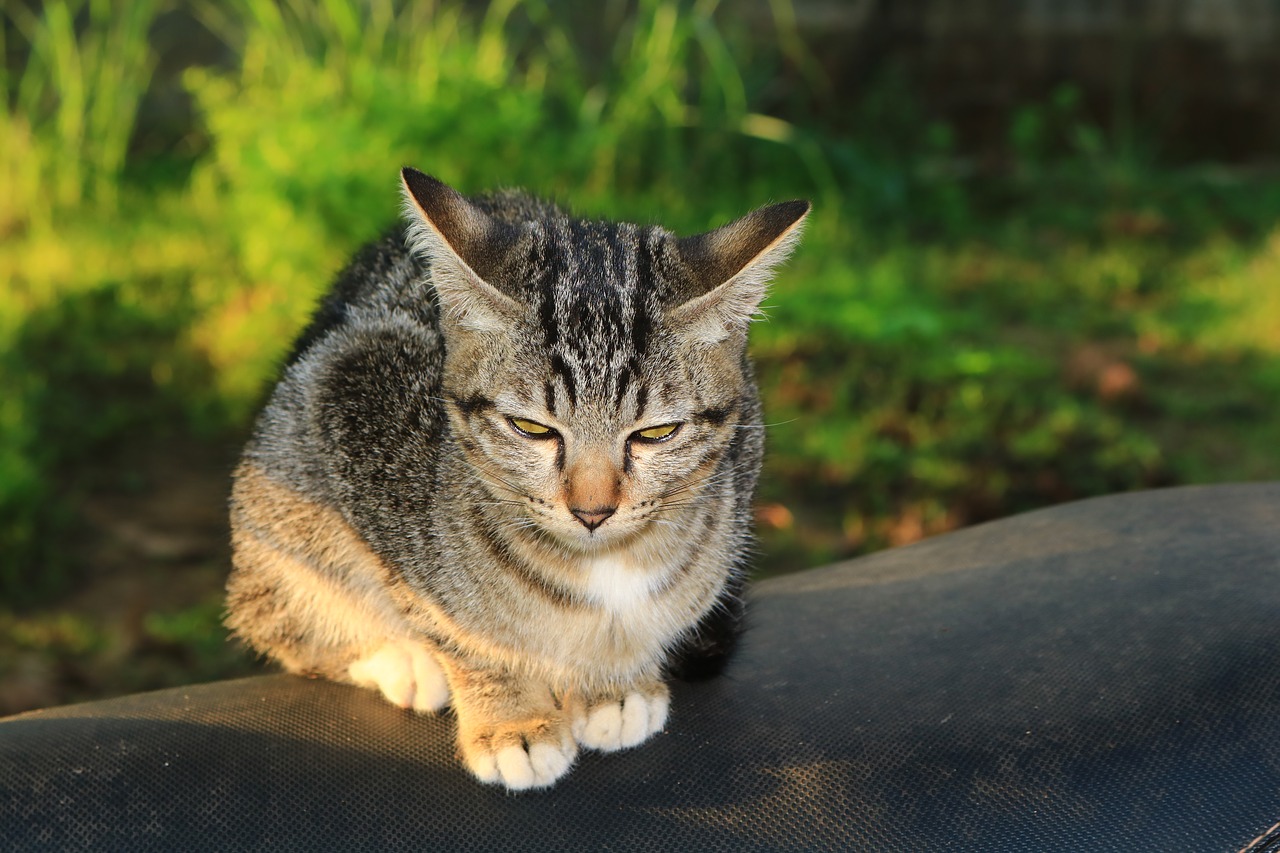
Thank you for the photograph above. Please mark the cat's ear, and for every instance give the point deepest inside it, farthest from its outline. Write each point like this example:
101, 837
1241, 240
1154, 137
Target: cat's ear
731, 268
466, 246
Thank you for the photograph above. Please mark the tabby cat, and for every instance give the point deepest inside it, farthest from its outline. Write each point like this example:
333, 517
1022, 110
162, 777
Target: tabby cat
510, 466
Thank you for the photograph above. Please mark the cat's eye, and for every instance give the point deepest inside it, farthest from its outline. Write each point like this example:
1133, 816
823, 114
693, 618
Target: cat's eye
532, 429
656, 433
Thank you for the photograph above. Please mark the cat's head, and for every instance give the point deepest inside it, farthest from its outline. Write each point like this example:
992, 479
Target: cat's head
596, 371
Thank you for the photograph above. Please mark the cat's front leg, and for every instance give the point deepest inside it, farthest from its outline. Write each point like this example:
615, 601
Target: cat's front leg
511, 729
623, 718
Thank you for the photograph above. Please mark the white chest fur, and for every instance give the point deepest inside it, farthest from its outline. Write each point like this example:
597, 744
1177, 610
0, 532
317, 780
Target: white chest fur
634, 614
619, 586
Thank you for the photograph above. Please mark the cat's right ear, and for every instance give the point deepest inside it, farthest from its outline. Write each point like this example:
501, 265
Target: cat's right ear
465, 246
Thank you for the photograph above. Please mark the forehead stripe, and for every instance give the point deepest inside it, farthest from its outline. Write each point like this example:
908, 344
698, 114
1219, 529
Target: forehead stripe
641, 321
545, 277
716, 415
473, 404
561, 368
624, 381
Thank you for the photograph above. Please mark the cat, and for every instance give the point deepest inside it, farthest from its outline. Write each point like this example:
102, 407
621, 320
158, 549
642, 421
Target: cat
510, 466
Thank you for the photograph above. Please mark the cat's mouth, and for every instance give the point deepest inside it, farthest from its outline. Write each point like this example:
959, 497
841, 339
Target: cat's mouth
594, 517
595, 529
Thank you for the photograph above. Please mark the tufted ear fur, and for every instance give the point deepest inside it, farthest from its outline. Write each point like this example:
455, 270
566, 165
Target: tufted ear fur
466, 247
731, 267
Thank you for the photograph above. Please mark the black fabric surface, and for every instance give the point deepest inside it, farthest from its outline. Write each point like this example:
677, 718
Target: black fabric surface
1099, 676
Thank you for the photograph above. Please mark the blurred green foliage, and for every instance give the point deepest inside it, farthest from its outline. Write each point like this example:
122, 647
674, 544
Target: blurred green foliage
950, 344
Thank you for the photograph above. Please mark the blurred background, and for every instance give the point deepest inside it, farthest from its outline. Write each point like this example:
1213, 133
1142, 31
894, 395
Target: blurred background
1044, 261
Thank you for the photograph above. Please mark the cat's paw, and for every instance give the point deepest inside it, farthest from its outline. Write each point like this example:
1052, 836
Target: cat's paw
407, 675
519, 756
624, 721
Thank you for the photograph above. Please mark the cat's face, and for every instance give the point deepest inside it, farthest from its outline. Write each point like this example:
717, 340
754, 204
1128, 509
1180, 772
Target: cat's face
609, 461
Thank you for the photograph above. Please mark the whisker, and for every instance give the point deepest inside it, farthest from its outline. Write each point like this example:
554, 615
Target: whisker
714, 478
516, 525
484, 475
697, 498
765, 426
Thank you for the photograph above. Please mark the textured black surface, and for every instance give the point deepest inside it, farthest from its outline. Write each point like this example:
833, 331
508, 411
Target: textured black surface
1099, 676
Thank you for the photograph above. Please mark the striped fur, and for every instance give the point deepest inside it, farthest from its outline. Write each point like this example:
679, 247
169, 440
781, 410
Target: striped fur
393, 526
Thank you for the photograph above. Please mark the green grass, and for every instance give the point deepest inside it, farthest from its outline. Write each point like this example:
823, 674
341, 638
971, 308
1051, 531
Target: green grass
948, 345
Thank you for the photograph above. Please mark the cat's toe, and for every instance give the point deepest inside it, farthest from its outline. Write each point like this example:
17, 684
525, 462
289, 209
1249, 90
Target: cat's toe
622, 723
643, 715
431, 689
520, 768
550, 761
388, 670
599, 727
406, 673
521, 760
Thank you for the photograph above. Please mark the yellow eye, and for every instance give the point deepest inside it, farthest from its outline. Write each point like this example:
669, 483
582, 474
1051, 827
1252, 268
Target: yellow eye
657, 433
533, 429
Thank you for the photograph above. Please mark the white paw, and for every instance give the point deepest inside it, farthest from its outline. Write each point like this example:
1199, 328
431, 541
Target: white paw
521, 766
406, 673
615, 725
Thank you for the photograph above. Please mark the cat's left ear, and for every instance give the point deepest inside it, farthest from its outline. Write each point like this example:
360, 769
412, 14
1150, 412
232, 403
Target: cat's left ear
731, 269
466, 247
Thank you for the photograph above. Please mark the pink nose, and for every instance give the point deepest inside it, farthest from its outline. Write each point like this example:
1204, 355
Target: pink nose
593, 518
